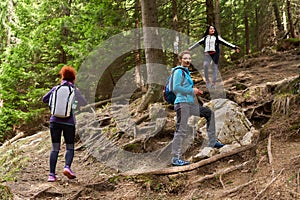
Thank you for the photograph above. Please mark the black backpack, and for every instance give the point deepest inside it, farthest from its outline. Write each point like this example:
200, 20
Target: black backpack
168, 94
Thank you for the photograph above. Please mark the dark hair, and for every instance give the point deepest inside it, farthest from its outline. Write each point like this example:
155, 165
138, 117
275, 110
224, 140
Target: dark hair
207, 31
68, 73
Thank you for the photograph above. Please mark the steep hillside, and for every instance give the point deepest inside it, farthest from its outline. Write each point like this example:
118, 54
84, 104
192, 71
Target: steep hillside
269, 169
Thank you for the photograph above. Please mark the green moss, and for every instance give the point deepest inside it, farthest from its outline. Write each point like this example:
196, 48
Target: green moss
11, 162
114, 179
295, 41
5, 193
290, 88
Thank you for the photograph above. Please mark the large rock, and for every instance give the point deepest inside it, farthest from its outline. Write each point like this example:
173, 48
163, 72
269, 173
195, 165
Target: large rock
232, 126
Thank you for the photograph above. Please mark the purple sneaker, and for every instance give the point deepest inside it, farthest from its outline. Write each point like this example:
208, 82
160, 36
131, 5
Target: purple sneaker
68, 173
51, 178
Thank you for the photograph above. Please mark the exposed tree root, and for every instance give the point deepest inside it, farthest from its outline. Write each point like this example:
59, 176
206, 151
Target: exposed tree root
221, 172
39, 193
268, 185
172, 170
269, 148
233, 190
18, 136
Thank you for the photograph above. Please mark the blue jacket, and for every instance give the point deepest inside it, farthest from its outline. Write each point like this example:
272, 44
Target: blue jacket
184, 92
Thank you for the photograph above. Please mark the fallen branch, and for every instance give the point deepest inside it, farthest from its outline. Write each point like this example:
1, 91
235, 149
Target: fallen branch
268, 185
237, 188
77, 194
221, 181
37, 194
18, 136
221, 172
270, 150
172, 170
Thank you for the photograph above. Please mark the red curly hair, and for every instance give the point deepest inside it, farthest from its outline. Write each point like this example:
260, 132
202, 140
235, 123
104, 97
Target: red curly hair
68, 73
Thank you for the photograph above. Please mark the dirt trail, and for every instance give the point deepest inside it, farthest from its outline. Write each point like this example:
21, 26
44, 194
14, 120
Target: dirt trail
96, 181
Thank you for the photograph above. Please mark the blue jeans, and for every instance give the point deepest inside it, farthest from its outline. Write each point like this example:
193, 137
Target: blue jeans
56, 129
183, 112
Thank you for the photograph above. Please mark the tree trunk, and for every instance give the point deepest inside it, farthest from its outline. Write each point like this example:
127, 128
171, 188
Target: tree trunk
154, 56
290, 19
218, 27
217, 16
278, 19
175, 23
65, 34
247, 35
139, 79
210, 12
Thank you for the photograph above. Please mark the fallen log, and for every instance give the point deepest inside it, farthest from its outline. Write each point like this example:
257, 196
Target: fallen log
173, 170
18, 136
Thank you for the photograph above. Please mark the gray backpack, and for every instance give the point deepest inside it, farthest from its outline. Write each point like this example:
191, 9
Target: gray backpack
61, 101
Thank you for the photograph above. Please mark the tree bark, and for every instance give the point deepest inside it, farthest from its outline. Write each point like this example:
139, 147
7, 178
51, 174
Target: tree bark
65, 34
175, 24
217, 16
139, 79
154, 56
210, 12
278, 18
246, 21
290, 19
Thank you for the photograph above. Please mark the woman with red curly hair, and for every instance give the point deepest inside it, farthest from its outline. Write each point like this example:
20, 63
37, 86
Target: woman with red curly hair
65, 126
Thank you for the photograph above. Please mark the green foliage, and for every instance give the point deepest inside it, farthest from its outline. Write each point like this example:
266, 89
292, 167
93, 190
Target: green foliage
45, 36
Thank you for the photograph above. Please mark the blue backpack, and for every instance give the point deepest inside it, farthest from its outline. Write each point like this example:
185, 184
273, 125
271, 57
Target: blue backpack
168, 94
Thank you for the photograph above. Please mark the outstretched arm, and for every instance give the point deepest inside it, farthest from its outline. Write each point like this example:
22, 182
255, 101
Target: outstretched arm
228, 44
196, 44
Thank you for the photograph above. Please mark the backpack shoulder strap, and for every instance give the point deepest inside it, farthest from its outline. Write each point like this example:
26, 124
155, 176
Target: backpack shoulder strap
183, 76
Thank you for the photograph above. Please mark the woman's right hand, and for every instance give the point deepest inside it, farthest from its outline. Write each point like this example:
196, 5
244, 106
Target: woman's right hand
197, 92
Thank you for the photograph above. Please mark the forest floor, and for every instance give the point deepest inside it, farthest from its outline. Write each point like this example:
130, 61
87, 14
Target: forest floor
259, 177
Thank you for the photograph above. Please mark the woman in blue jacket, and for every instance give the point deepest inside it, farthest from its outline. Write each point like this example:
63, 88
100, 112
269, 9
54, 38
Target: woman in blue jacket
63, 125
186, 106
211, 41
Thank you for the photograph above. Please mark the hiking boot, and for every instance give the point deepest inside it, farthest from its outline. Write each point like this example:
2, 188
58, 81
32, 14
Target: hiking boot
52, 177
68, 173
218, 145
179, 162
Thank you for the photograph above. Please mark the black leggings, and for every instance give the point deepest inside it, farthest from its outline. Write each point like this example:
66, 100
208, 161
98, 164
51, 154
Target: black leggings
56, 129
